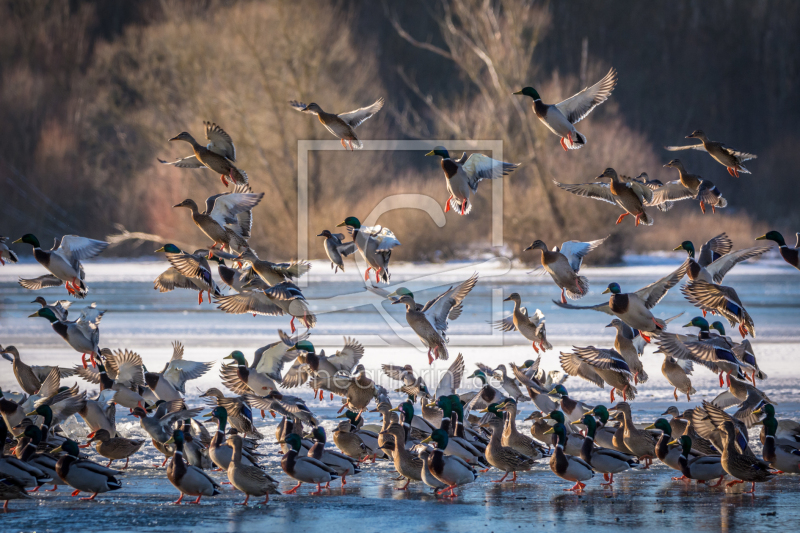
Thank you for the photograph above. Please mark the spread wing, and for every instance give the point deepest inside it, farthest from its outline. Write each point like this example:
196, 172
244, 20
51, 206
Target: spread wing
741, 156
349, 356
75, 249
598, 191
451, 380
671, 192
709, 296
273, 357
255, 302
42, 282
394, 372
653, 293
575, 366
300, 106
184, 162
505, 324
690, 147
575, 251
224, 207
221, 143
172, 279
481, 167
127, 367
385, 237
714, 248
576, 107
438, 309
603, 308
721, 266
357, 117
297, 375
604, 360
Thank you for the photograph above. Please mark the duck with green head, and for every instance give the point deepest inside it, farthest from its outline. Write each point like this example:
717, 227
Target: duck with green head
573, 409
713, 352
84, 475
666, 454
83, 335
606, 461
716, 258
451, 470
700, 468
789, 254
188, 479
242, 379
341, 463
727, 157
782, 457
375, 245
218, 449
568, 466
463, 176
573, 442
560, 118
63, 262
188, 271
486, 395
304, 469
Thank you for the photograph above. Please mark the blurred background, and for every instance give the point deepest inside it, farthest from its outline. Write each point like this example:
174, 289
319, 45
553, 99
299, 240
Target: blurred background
90, 91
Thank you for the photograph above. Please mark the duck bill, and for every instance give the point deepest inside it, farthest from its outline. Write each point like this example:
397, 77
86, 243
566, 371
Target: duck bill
57, 450
550, 431
32, 413
651, 426
170, 441
430, 153
670, 443
17, 241
677, 248
208, 415
606, 291
340, 224
518, 92
762, 238
507, 299
162, 248
394, 409
689, 325
34, 315
426, 440
528, 248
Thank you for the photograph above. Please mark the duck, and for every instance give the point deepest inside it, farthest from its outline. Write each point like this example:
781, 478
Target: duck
195, 448
677, 372
375, 244
635, 308
45, 461
159, 426
531, 327
12, 412
416, 424
161, 387
727, 157
240, 415
129, 378
744, 352
188, 479
341, 125
59, 307
629, 345
487, 394
568, 466
424, 452
457, 444
504, 458
539, 392
63, 262
563, 264
341, 463
56, 409
238, 279
348, 440
304, 469
701, 468
219, 155
573, 442
406, 463
188, 271
284, 404
83, 334
509, 384
665, 452
357, 390
324, 369
451, 470
30, 378
641, 443
744, 468
227, 219
782, 457
606, 461
600, 366
465, 174
628, 194
12, 489
604, 434
242, 379
336, 249
789, 254
113, 448
711, 266
676, 423
431, 321
178, 370
573, 409
539, 427
283, 299
249, 479
6, 254
511, 436
100, 414
723, 300
27, 474
561, 118
219, 451
787, 431
688, 186
84, 475
273, 273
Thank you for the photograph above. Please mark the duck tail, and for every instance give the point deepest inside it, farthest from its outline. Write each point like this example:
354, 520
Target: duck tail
645, 219
583, 283
356, 143
666, 206
578, 140
630, 393
692, 390
239, 177
642, 377
721, 202
82, 291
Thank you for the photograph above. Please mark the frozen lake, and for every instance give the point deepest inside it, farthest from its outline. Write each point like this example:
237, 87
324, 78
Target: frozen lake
146, 321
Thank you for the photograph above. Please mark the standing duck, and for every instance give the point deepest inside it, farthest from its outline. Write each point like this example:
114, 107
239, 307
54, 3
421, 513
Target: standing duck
375, 244
341, 463
573, 409
218, 155
727, 157
504, 458
628, 194
219, 450
688, 186
463, 176
304, 469
745, 468
84, 475
512, 437
782, 457
564, 263
451, 470
560, 118
531, 327
343, 125
113, 448
789, 254
63, 262
606, 461
641, 443
249, 479
188, 479
336, 250
701, 469
566, 466
406, 463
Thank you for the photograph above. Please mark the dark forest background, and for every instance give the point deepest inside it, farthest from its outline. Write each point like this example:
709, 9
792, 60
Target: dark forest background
91, 90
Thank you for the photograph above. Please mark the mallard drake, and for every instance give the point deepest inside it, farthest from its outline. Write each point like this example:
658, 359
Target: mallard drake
451, 470
6, 254
641, 443
711, 266
188, 271
343, 125
463, 176
667, 452
324, 369
228, 218
787, 430
242, 379
84, 475
83, 334
375, 244
573, 409
789, 254
780, 456
723, 300
634, 308
186, 478
30, 378
606, 461
113, 448
700, 468
625, 343
568, 466
283, 404
560, 118
59, 307
341, 463
677, 372
604, 434
624, 192
600, 367
504, 458
738, 465
564, 263
406, 463
63, 262
28, 475
416, 424
218, 155
688, 186
531, 327
336, 250
249, 479
573, 442
218, 450
283, 299
239, 413
487, 394
727, 157
713, 352
430, 322
744, 352
704, 421
304, 469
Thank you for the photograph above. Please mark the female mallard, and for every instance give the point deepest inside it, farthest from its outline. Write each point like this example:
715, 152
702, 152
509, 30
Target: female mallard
343, 125
600, 367
641, 443
358, 390
227, 219
539, 427
564, 263
702, 468
218, 155
560, 118
677, 372
688, 186
341, 463
630, 347
247, 478
304, 469
606, 461
188, 271
336, 250
348, 440
27, 474
504, 458
634, 308
324, 369
789, 254
628, 194
723, 300
113, 448
431, 320
727, 157
738, 465
84, 475
273, 273
406, 463
782, 457
186, 478
12, 489
512, 437
531, 327
30, 378
63, 262
713, 263
449, 469
567, 466
83, 334
375, 244
6, 254
463, 176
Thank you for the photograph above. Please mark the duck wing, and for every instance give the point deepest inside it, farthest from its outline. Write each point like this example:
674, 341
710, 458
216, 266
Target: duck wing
223, 208
172, 279
714, 248
655, 292
699, 147
438, 310
256, 302
578, 106
357, 117
220, 142
721, 266
598, 191
184, 162
451, 380
481, 167
575, 251
673, 191
42, 282
574, 365
75, 249
349, 356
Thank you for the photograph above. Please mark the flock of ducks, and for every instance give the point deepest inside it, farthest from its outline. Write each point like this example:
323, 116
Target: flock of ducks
435, 437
